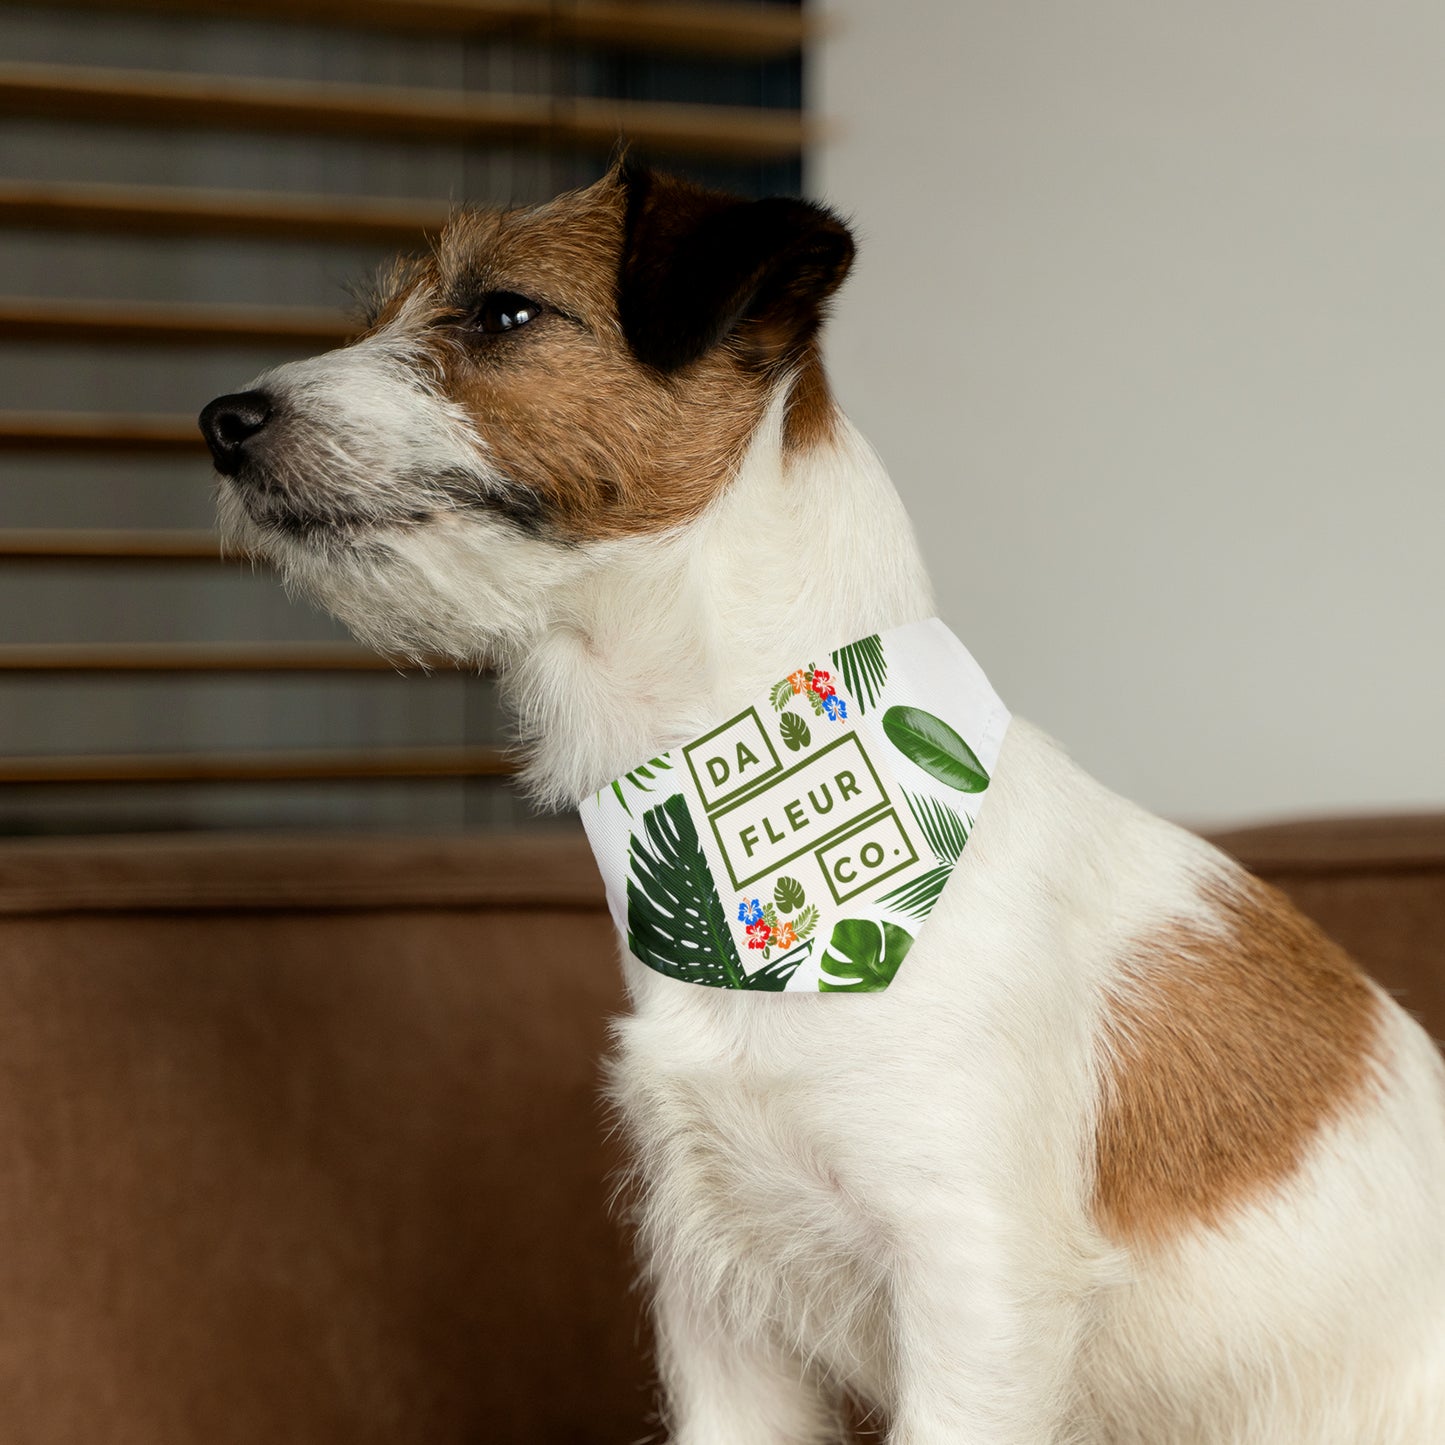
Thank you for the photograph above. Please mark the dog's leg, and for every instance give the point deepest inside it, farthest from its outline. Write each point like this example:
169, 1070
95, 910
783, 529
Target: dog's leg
723, 1389
984, 1348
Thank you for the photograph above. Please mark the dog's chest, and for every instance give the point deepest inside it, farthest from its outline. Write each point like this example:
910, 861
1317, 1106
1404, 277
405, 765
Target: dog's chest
747, 1184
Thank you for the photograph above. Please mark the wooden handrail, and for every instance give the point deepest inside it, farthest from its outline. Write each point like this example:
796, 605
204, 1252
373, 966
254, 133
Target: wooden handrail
201, 657
178, 211
712, 29
76, 544
84, 431
219, 102
171, 323
259, 767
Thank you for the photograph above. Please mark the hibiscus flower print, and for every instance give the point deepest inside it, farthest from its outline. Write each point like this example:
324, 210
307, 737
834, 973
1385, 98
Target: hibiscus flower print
798, 680
750, 913
758, 934
822, 684
835, 707
785, 937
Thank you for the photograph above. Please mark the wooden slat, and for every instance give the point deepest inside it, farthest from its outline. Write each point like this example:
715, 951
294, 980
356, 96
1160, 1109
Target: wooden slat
259, 767
551, 868
208, 657
218, 102
80, 431
75, 544
171, 323
712, 29
177, 211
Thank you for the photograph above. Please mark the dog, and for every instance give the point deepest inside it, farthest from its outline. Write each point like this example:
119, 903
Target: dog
1129, 1153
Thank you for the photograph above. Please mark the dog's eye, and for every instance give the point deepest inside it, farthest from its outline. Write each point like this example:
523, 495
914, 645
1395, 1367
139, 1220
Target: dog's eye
504, 311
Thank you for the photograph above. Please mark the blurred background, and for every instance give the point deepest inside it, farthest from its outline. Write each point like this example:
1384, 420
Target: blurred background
187, 191
1149, 324
1146, 323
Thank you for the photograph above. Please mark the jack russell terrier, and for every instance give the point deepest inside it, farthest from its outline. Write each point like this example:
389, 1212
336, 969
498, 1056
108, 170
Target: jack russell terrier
1127, 1152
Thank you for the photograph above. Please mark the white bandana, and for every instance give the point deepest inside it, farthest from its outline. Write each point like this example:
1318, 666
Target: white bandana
798, 846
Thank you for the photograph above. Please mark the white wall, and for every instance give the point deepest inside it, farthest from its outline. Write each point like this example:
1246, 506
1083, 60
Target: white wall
1149, 324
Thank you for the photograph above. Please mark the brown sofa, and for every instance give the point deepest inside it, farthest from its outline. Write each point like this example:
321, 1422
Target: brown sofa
301, 1138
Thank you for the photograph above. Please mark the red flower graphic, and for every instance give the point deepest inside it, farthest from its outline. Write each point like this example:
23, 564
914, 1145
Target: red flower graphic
821, 684
758, 934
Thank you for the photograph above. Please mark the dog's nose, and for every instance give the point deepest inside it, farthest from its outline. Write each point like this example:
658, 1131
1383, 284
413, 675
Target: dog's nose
229, 422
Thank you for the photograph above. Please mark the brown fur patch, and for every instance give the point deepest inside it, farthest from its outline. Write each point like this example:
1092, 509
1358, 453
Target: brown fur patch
1225, 1055
604, 445
608, 446
812, 413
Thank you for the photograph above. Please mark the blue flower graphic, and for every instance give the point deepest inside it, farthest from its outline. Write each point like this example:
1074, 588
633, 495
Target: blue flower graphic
750, 912
835, 707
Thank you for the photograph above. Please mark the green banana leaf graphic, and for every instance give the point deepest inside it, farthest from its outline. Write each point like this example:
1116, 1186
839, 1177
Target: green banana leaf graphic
935, 747
675, 920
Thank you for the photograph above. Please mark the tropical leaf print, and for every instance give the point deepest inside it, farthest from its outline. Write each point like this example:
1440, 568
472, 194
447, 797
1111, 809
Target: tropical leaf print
675, 919
773, 977
929, 742
647, 771
863, 956
789, 895
817, 687
795, 731
766, 931
806, 921
918, 897
946, 833
864, 670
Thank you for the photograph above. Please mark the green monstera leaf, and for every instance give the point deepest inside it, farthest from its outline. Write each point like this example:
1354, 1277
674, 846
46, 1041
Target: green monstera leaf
862, 956
935, 747
788, 894
796, 733
675, 919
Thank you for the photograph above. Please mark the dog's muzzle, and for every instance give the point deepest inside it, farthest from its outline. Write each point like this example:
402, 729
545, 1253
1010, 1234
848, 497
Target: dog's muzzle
230, 422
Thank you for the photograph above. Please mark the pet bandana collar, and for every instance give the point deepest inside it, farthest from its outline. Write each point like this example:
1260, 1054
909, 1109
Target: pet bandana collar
799, 846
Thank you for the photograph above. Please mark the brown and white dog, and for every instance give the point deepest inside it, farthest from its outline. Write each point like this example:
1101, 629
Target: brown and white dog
1129, 1153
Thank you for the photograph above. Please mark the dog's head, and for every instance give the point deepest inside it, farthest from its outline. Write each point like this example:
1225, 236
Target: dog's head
547, 381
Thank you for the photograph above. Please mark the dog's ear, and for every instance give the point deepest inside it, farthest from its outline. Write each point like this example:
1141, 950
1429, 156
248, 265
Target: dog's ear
699, 266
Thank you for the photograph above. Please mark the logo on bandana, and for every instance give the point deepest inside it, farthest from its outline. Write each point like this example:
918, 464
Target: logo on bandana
800, 845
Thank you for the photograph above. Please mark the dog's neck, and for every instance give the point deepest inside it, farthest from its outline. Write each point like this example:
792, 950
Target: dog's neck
665, 636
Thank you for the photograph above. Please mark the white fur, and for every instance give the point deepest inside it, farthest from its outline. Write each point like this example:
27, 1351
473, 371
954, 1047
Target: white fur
891, 1194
